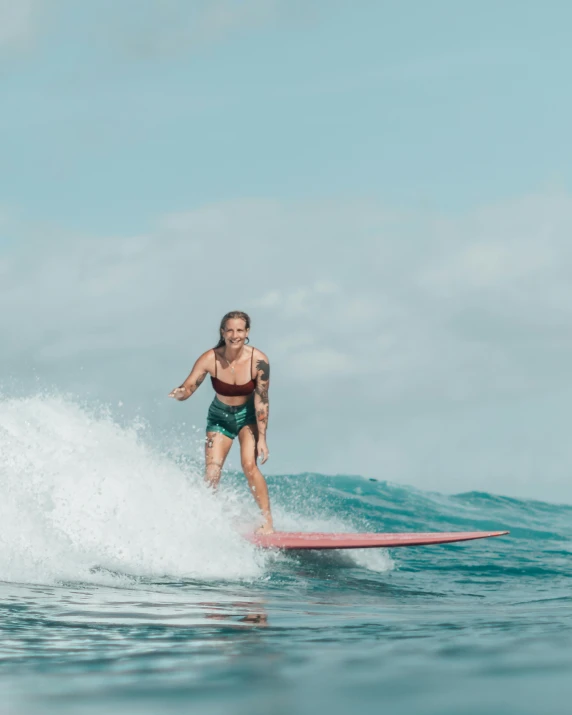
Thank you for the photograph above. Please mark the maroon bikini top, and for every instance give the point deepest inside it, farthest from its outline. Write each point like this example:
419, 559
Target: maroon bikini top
227, 389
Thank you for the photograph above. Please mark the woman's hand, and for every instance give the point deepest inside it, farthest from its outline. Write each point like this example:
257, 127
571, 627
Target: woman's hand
179, 393
262, 450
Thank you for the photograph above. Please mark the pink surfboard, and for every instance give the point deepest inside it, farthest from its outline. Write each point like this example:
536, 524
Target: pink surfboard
300, 540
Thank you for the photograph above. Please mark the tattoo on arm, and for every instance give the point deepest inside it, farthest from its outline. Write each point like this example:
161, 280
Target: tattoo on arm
263, 367
262, 392
262, 420
198, 383
262, 416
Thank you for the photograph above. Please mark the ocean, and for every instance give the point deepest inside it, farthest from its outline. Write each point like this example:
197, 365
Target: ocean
126, 586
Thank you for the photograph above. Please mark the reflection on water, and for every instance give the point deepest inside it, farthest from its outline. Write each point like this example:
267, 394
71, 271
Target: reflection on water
255, 613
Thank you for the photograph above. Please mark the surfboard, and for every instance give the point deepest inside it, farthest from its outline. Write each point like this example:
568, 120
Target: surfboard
291, 540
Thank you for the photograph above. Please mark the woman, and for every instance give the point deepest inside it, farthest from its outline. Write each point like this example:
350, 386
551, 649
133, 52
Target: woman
240, 375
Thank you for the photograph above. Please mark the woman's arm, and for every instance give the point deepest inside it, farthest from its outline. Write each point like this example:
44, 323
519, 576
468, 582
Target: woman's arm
194, 380
261, 402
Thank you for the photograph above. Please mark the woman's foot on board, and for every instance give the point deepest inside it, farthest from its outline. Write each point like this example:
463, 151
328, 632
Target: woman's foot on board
265, 529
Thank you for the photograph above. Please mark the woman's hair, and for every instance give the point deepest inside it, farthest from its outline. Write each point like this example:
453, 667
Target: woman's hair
230, 316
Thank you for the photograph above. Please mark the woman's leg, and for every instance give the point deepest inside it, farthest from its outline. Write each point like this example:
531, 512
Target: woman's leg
217, 447
247, 437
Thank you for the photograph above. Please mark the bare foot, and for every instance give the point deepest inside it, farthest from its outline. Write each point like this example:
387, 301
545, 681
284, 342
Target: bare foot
265, 529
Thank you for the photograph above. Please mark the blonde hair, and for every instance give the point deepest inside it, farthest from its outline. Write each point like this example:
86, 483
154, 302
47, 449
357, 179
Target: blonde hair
230, 316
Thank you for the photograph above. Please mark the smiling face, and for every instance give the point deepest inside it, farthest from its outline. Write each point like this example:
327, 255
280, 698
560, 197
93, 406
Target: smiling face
235, 332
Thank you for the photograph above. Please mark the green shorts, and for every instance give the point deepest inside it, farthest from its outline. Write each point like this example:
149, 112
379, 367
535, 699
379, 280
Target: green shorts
230, 420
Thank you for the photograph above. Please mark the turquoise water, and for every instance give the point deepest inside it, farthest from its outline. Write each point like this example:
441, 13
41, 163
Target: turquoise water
127, 588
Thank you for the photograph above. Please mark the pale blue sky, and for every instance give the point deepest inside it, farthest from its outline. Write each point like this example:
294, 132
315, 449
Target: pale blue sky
385, 186
116, 112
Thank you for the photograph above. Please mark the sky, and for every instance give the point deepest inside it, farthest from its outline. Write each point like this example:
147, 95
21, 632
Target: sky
386, 187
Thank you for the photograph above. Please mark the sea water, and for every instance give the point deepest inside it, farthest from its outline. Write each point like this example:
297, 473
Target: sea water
125, 586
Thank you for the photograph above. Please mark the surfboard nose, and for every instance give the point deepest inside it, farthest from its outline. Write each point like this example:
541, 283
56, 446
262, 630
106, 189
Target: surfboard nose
318, 540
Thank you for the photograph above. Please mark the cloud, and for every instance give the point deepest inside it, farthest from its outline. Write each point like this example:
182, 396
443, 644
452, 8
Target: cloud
299, 300
16, 23
450, 301
504, 248
169, 28
321, 364
220, 18
443, 343
384, 287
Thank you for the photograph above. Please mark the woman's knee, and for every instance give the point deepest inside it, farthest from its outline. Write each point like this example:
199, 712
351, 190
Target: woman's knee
248, 466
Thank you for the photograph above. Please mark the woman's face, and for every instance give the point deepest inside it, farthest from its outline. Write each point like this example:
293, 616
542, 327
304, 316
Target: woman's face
235, 332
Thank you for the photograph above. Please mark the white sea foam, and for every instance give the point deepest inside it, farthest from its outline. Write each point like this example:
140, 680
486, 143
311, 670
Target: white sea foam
372, 559
80, 492
82, 497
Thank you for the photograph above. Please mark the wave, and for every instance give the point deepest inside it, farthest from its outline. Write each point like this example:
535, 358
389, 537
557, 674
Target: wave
79, 492
85, 499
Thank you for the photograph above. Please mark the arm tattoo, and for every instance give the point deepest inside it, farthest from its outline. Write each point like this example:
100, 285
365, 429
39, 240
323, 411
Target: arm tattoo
198, 383
263, 367
262, 416
262, 392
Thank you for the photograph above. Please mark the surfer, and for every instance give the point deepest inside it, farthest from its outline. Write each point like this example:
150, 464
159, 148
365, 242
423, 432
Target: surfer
240, 376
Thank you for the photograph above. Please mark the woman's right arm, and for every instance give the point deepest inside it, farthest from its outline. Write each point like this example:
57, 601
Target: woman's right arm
195, 378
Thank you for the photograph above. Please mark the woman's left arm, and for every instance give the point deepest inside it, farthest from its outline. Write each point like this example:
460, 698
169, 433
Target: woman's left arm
261, 402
